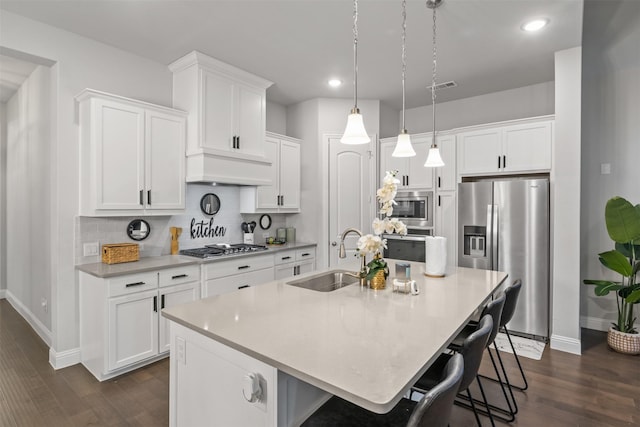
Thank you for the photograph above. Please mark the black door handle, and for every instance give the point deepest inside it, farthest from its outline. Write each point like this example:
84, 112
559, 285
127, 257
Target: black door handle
498, 162
141, 201
149, 197
504, 161
155, 303
162, 301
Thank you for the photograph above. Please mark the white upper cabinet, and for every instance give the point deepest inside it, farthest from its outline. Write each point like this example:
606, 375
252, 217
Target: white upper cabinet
284, 195
411, 171
131, 157
512, 148
446, 175
227, 120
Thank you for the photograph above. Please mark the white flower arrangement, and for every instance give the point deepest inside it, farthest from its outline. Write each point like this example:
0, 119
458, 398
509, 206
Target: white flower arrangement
373, 244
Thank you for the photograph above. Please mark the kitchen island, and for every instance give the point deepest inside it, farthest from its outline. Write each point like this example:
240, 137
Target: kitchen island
296, 347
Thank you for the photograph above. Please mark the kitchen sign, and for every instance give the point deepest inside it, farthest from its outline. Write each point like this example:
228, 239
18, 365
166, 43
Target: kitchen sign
205, 230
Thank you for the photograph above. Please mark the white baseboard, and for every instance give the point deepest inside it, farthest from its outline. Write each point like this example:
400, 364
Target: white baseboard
595, 323
3, 293
32, 320
64, 358
566, 344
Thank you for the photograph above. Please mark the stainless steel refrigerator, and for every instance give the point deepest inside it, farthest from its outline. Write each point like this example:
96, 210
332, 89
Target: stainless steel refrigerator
504, 225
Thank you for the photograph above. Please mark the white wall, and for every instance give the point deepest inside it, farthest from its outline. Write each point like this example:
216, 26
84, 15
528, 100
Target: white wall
528, 101
565, 203
28, 200
276, 118
80, 63
610, 135
311, 121
3, 214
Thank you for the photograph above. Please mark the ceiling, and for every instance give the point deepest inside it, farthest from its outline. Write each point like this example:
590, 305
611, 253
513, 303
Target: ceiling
300, 44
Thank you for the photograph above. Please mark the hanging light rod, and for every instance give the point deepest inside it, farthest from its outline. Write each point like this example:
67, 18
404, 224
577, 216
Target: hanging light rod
433, 157
403, 144
355, 133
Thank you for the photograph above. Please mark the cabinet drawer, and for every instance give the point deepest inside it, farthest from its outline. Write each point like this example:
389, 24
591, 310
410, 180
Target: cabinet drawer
223, 285
175, 276
285, 256
240, 265
132, 283
305, 253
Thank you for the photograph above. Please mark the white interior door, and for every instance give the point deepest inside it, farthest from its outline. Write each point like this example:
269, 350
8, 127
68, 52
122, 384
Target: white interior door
351, 194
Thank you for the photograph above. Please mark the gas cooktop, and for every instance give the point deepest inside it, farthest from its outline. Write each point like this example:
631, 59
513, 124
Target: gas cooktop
211, 251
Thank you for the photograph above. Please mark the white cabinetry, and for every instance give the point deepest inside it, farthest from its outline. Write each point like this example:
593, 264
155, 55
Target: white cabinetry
120, 325
227, 120
284, 195
513, 148
226, 276
411, 171
446, 178
445, 223
131, 157
294, 262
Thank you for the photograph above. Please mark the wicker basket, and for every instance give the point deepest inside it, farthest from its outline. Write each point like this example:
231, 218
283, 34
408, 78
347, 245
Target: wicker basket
623, 342
115, 253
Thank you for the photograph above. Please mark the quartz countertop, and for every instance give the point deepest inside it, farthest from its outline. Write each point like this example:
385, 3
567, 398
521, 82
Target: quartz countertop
362, 345
102, 270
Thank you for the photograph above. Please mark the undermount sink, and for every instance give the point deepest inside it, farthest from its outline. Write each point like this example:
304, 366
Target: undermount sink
326, 282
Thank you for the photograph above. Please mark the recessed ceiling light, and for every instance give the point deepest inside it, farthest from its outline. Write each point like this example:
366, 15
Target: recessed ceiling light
535, 25
335, 82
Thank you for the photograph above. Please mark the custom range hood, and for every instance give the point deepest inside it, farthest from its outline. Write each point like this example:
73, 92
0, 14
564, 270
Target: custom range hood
227, 121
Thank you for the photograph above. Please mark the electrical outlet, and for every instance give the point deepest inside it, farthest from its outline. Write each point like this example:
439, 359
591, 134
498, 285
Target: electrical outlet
180, 350
90, 249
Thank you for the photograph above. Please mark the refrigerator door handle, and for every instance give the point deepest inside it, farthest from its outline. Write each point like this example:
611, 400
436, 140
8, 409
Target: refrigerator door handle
489, 240
494, 238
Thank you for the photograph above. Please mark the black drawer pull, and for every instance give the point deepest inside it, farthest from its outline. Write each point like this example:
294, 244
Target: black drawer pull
242, 267
305, 254
179, 276
128, 285
243, 286
286, 257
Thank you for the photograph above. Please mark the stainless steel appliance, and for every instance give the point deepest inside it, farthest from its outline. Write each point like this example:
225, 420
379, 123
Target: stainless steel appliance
414, 208
504, 225
410, 247
221, 249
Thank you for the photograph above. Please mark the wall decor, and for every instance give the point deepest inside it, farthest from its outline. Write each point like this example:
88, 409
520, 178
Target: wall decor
210, 204
265, 222
204, 229
138, 229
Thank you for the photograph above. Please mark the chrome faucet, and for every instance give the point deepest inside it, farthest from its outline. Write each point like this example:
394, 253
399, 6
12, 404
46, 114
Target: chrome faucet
342, 253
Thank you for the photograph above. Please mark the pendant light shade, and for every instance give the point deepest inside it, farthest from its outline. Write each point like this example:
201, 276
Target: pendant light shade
434, 160
403, 146
355, 133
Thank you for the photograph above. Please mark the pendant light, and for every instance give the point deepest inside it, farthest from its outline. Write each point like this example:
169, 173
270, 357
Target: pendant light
403, 144
355, 132
434, 159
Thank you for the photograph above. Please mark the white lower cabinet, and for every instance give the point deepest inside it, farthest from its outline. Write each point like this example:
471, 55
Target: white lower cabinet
294, 262
226, 276
120, 323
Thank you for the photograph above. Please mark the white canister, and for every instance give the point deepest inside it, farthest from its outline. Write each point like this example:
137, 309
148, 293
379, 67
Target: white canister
435, 262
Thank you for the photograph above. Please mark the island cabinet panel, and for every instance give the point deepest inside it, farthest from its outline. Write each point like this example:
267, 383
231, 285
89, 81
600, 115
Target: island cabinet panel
508, 148
132, 159
200, 363
120, 323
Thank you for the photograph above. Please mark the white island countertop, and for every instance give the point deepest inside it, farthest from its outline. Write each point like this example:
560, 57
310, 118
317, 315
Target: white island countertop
362, 345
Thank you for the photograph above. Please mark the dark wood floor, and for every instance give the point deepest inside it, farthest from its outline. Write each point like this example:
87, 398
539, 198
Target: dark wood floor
600, 388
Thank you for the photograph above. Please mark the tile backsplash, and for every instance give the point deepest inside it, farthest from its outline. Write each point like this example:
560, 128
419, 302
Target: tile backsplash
114, 229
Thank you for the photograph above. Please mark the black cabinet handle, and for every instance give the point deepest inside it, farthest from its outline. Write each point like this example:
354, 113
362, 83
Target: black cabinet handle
305, 254
155, 303
179, 276
238, 142
439, 183
149, 197
286, 257
141, 196
282, 200
162, 301
504, 161
128, 285
498, 162
407, 180
234, 141
242, 267
439, 200
243, 286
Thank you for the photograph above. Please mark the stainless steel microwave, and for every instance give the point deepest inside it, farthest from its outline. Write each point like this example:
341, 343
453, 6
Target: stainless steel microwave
414, 208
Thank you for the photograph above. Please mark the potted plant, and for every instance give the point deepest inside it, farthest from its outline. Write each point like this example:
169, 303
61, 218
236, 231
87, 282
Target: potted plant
623, 225
377, 270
